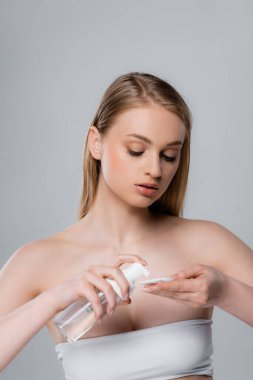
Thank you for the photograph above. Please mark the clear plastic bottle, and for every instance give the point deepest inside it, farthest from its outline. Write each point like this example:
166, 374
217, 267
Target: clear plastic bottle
74, 321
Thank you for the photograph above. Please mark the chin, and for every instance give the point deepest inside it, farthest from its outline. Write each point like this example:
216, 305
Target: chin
141, 203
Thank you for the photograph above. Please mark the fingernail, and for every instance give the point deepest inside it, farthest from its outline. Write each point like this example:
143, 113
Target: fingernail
151, 287
111, 312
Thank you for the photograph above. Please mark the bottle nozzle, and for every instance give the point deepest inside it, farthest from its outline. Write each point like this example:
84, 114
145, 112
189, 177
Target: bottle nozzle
133, 271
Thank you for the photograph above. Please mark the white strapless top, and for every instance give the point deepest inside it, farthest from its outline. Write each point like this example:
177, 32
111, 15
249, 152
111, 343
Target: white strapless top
160, 352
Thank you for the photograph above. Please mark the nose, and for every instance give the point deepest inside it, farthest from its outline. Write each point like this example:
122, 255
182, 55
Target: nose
154, 167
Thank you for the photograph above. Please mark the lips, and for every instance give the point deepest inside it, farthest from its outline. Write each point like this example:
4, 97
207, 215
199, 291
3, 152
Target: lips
148, 185
146, 191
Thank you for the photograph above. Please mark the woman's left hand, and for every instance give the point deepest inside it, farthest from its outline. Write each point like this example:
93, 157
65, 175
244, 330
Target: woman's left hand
196, 286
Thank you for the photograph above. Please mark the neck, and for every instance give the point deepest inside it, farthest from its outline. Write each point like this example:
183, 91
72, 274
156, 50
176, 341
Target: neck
118, 224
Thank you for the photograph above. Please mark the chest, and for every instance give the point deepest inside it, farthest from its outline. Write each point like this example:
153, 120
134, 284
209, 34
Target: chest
145, 310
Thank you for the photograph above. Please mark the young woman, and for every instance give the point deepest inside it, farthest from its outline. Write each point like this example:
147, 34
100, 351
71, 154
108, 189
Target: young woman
135, 171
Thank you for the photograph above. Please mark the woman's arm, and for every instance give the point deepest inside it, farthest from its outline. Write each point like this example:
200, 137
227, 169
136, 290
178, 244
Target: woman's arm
25, 309
20, 325
227, 279
234, 258
237, 299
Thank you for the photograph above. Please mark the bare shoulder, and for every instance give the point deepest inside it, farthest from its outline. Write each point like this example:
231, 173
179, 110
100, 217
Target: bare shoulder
33, 253
216, 245
27, 263
37, 266
37, 255
21, 274
205, 232
195, 230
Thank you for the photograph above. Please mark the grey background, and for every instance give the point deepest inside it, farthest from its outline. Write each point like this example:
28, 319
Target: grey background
57, 58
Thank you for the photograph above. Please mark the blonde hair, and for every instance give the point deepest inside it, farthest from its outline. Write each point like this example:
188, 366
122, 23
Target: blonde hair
131, 90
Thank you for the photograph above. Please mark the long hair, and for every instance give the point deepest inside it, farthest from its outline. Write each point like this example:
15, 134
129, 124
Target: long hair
131, 90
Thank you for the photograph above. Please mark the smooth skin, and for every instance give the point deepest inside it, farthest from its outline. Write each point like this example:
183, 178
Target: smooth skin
213, 266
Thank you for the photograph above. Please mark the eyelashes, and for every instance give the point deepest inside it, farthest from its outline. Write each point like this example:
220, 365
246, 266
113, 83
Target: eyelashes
137, 154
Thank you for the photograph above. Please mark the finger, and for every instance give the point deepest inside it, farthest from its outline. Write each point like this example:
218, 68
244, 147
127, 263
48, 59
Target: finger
187, 298
122, 303
87, 291
192, 271
191, 299
180, 285
127, 258
105, 287
115, 274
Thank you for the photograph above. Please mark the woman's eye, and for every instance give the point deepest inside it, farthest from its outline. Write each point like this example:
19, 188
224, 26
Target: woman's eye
135, 154
170, 159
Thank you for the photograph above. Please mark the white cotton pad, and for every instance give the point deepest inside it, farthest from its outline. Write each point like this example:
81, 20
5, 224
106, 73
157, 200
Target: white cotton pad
154, 280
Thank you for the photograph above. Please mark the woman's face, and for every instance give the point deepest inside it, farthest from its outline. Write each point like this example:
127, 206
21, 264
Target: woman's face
128, 160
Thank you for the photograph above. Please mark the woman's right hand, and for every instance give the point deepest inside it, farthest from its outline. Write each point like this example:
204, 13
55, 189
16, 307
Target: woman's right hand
92, 280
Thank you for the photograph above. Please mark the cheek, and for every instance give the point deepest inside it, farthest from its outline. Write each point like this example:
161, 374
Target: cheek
170, 174
114, 164
173, 171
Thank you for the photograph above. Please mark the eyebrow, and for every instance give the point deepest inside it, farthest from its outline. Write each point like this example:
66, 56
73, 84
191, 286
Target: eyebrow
172, 143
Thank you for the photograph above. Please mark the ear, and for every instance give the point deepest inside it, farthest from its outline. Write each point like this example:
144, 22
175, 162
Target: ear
95, 142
